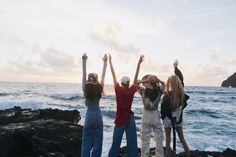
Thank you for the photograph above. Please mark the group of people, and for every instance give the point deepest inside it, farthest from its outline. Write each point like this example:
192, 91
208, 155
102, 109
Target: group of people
151, 89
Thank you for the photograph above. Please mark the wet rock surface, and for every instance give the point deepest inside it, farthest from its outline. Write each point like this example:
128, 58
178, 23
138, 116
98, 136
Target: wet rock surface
54, 133
39, 133
193, 153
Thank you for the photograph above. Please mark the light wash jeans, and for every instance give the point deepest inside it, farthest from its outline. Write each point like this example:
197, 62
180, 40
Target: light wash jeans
92, 133
131, 136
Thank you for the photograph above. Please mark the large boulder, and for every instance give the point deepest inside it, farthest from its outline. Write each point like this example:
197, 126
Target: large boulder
40, 133
230, 81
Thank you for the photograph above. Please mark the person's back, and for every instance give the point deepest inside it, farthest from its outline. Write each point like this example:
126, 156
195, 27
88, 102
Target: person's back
124, 120
151, 92
93, 126
124, 99
92, 94
171, 112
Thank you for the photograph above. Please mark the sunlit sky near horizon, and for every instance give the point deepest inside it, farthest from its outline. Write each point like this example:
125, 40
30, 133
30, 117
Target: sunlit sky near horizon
43, 40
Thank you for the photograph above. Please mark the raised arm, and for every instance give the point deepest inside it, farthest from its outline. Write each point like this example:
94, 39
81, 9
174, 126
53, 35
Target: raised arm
178, 72
162, 87
112, 71
104, 69
84, 59
162, 82
141, 58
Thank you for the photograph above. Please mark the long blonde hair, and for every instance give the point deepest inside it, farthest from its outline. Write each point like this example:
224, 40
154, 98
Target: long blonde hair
175, 91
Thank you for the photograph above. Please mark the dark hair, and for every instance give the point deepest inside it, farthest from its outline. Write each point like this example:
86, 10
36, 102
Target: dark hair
152, 94
125, 85
93, 91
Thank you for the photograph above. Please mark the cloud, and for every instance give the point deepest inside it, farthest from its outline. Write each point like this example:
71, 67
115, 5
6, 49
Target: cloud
150, 65
155, 66
19, 42
21, 66
50, 65
217, 32
56, 60
216, 53
230, 62
206, 75
109, 38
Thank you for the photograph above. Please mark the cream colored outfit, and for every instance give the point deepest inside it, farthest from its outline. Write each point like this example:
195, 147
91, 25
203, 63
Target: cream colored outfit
151, 122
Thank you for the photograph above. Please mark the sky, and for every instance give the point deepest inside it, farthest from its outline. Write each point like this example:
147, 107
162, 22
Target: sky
43, 40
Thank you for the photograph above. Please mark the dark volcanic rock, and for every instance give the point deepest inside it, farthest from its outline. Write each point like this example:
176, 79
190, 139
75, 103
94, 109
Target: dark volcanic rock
53, 133
226, 153
39, 133
230, 81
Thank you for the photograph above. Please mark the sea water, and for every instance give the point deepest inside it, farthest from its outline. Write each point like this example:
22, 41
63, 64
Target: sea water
209, 118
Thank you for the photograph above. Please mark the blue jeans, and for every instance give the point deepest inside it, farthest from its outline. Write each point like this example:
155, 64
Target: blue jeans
131, 136
92, 135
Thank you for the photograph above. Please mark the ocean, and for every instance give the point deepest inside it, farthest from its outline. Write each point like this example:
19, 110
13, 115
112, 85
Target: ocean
209, 118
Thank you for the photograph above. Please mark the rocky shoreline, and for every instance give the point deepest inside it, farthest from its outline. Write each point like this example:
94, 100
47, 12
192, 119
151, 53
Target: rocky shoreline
194, 153
39, 133
53, 133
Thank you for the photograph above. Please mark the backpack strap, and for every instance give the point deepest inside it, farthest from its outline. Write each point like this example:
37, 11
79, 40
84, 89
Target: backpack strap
173, 122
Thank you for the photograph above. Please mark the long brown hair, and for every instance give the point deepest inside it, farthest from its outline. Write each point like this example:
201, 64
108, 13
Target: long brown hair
93, 91
152, 94
175, 91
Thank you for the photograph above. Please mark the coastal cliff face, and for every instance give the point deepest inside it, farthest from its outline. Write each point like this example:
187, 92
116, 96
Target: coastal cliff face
230, 81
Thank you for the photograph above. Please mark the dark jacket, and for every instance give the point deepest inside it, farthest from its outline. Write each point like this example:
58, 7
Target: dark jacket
166, 105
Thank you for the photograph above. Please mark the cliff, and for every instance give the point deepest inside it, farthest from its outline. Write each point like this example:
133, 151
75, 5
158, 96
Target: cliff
230, 81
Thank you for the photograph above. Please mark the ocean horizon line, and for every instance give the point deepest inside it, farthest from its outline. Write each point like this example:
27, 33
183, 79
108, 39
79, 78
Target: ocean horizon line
107, 84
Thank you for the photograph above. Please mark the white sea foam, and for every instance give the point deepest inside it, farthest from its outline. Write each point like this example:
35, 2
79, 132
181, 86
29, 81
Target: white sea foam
209, 119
